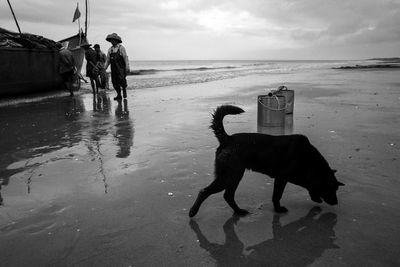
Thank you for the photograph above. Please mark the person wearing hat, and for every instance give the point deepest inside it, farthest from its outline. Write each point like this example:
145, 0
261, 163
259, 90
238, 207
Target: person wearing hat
67, 67
118, 59
101, 60
91, 61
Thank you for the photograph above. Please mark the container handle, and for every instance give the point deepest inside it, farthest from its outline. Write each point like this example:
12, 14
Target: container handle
277, 99
282, 88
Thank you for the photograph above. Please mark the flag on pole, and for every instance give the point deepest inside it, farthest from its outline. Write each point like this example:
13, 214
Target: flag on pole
77, 13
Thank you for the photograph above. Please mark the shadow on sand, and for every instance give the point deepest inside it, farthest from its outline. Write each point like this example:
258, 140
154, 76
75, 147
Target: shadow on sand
298, 243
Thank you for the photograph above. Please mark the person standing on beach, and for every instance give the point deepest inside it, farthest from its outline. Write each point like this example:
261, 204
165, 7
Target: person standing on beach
67, 67
101, 61
91, 61
118, 59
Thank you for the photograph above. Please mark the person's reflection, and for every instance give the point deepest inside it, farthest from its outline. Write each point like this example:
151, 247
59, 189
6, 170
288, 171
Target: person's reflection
124, 129
72, 130
101, 103
100, 120
99, 129
73, 107
298, 243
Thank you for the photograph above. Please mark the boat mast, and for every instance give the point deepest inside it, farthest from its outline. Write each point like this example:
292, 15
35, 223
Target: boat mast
86, 14
12, 11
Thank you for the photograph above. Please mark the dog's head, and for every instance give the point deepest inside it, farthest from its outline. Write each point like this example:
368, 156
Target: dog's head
326, 190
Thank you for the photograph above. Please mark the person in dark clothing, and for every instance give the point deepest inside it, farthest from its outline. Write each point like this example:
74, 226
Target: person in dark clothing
67, 68
101, 61
118, 59
91, 71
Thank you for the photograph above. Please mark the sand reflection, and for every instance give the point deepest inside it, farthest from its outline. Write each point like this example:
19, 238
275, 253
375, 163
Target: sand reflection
102, 103
62, 131
298, 243
35, 130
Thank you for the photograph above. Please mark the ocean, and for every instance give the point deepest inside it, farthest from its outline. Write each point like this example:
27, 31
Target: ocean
149, 74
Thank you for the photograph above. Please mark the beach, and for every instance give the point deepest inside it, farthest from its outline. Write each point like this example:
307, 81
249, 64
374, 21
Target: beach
89, 181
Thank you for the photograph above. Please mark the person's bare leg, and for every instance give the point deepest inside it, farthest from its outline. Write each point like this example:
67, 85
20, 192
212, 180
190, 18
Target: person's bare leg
93, 84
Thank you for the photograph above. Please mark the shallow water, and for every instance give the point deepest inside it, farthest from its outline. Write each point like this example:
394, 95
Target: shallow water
61, 134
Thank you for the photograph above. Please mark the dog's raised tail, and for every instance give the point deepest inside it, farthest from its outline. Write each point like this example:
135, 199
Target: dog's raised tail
217, 122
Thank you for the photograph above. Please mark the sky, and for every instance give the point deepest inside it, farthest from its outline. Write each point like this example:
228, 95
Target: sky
223, 29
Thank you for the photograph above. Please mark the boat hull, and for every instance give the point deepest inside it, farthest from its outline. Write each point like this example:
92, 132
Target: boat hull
24, 71
31, 70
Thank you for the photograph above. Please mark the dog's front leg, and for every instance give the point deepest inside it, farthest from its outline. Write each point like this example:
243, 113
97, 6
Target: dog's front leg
204, 193
229, 197
279, 186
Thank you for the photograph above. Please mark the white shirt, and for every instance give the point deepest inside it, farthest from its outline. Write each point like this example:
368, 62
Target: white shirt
122, 51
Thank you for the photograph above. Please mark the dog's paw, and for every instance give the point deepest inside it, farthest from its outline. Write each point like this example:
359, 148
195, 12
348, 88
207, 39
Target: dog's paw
316, 199
241, 212
281, 209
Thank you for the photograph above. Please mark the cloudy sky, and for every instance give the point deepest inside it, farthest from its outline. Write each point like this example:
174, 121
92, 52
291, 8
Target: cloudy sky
223, 29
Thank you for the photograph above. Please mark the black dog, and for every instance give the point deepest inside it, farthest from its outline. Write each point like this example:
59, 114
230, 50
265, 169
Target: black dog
288, 158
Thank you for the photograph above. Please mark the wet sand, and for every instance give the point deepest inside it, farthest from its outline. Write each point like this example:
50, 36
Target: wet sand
93, 182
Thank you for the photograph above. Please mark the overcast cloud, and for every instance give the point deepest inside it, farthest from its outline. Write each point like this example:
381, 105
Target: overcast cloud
221, 29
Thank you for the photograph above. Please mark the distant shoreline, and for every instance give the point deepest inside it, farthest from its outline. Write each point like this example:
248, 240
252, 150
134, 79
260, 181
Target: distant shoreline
385, 63
388, 59
372, 66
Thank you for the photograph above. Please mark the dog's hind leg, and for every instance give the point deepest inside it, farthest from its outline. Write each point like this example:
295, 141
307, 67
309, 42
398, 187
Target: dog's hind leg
279, 186
230, 190
215, 187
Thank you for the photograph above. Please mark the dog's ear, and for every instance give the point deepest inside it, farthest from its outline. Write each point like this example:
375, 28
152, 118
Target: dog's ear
340, 184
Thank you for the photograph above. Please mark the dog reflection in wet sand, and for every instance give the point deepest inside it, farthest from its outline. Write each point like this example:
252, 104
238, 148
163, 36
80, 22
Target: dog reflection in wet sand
298, 243
286, 158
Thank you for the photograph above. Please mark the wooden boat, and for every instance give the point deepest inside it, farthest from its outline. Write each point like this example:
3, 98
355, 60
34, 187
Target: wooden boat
30, 63
31, 70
